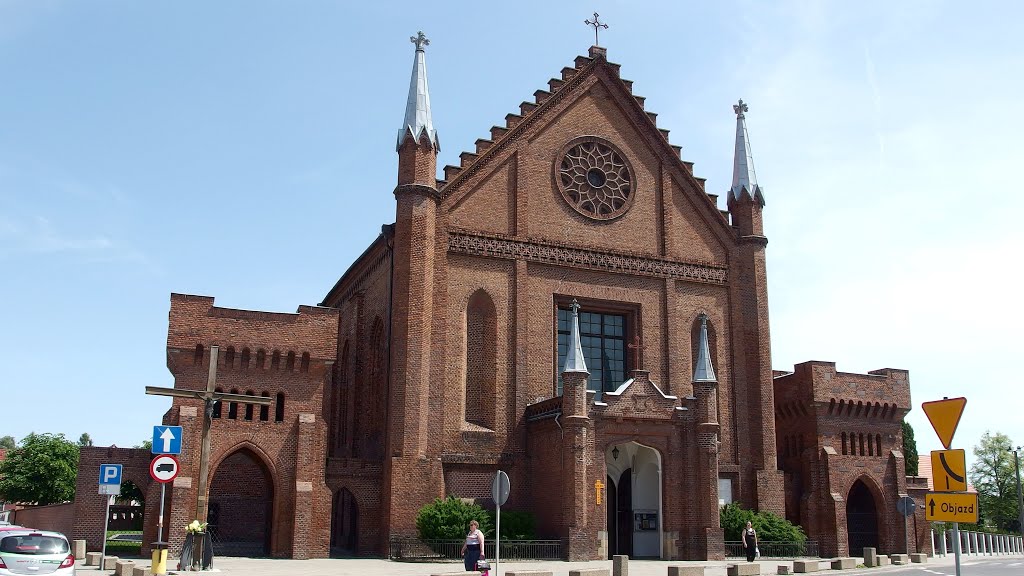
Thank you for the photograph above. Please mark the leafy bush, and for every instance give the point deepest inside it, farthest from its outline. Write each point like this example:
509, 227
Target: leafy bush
770, 528
515, 525
448, 519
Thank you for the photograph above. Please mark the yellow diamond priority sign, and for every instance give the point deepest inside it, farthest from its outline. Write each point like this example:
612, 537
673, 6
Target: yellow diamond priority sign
947, 507
945, 415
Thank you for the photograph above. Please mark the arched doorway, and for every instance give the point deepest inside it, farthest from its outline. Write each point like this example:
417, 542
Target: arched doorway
241, 506
634, 500
861, 519
344, 524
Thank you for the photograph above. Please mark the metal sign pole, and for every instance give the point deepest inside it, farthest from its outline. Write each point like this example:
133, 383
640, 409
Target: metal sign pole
106, 519
497, 538
160, 516
956, 545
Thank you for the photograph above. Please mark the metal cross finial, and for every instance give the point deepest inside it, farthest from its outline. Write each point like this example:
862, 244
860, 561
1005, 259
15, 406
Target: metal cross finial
596, 24
740, 108
637, 349
575, 306
419, 40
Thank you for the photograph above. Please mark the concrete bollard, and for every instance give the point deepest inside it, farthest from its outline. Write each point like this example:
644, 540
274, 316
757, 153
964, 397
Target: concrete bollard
884, 561
529, 573
590, 572
78, 549
685, 571
746, 569
806, 566
124, 567
92, 558
870, 557
918, 558
899, 559
141, 571
844, 563
109, 562
783, 569
457, 574
620, 565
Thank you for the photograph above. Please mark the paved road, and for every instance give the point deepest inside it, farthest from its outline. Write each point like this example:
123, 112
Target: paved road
971, 566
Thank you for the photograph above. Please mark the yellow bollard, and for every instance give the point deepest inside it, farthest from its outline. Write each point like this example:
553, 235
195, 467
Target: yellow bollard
159, 562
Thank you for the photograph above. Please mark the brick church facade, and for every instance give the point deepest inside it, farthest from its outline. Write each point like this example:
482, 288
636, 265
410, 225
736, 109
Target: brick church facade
569, 305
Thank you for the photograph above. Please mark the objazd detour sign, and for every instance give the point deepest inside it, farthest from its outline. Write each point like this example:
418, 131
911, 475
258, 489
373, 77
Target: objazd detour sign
950, 507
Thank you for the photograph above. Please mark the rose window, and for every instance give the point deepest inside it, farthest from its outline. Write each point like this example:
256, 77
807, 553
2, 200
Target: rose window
595, 179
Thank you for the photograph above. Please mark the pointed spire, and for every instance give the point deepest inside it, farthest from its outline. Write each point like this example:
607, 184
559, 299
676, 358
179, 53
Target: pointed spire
704, 371
574, 361
744, 181
417, 107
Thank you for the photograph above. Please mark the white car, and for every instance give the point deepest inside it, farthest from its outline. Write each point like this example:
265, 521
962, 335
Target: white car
28, 551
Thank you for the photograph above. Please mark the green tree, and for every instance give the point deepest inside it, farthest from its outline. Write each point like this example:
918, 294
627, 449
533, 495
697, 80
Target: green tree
40, 470
85, 439
910, 457
146, 444
448, 519
8, 443
770, 528
131, 492
993, 475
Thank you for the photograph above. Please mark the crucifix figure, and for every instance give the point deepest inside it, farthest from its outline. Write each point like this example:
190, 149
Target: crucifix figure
209, 398
596, 24
419, 40
637, 349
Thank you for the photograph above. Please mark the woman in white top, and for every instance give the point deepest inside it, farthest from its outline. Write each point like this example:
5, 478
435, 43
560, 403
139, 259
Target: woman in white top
473, 548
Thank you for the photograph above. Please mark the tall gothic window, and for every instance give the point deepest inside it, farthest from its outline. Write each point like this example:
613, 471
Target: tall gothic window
481, 337
603, 337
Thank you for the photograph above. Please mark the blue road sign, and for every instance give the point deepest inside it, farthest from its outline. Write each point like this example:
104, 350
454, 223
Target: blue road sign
110, 474
166, 440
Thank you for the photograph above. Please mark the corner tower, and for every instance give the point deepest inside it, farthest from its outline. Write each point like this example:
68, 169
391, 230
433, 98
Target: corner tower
761, 481
417, 303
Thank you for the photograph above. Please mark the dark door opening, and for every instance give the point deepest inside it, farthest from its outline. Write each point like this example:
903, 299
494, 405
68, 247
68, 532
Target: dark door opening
861, 519
344, 525
241, 506
623, 543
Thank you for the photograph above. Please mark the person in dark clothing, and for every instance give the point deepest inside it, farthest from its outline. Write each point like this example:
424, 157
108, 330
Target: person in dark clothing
750, 542
473, 548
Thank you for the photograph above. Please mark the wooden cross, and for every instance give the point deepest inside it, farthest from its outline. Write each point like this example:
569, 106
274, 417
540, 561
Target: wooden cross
596, 24
209, 397
637, 349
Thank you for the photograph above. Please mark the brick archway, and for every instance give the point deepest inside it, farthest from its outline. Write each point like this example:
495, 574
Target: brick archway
862, 518
344, 524
241, 505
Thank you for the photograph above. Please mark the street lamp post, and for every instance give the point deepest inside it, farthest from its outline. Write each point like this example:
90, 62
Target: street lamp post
1020, 502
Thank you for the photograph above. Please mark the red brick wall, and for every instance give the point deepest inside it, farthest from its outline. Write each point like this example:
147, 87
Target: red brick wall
56, 517
90, 506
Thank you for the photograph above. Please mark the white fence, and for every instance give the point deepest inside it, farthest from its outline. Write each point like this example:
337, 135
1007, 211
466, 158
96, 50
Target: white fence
977, 543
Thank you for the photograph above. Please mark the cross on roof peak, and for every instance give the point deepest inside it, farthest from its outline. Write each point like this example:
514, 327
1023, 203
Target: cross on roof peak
597, 24
420, 40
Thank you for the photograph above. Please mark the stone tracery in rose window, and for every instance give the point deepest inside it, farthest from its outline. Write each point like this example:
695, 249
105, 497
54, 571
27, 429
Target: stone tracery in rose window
595, 179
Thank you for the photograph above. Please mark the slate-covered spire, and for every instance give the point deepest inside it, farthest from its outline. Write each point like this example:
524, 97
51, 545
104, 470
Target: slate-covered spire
417, 108
574, 361
703, 371
744, 181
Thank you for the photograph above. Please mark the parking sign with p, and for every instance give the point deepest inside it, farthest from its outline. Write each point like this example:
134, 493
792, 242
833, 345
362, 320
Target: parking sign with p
110, 479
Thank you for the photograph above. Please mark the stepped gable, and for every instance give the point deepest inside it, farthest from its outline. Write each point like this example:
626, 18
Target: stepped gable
457, 177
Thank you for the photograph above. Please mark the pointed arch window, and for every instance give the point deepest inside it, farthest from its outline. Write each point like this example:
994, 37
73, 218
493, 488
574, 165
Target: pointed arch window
481, 367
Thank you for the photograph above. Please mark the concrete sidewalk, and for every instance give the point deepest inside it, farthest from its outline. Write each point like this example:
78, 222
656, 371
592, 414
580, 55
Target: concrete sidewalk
377, 567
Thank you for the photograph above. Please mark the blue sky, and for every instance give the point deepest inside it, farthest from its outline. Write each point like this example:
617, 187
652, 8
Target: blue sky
245, 150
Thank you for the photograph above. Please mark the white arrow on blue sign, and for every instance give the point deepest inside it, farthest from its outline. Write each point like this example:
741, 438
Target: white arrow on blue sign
166, 440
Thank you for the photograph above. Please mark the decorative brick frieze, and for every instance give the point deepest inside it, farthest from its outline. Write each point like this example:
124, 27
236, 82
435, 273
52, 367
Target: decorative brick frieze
494, 246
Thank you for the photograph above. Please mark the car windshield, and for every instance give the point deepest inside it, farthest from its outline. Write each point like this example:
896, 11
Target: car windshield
33, 544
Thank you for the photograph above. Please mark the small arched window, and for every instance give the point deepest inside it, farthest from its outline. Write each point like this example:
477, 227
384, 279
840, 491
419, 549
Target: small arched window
862, 444
233, 407
229, 358
878, 444
305, 362
217, 405
245, 358
197, 358
248, 407
279, 408
275, 360
264, 409
261, 359
289, 363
